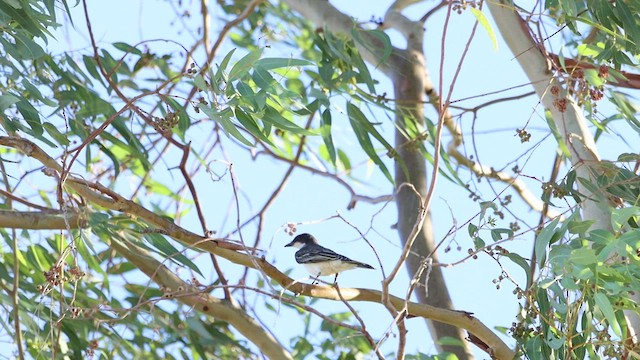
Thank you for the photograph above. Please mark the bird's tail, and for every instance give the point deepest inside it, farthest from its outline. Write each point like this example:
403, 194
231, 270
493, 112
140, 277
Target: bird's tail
362, 265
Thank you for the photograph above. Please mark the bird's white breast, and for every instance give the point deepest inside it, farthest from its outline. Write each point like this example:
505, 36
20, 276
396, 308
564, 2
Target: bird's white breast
328, 267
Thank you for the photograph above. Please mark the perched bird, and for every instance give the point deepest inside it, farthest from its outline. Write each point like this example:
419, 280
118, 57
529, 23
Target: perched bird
320, 261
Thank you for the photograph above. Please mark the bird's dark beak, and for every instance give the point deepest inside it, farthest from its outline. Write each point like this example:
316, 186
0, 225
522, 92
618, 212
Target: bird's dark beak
289, 244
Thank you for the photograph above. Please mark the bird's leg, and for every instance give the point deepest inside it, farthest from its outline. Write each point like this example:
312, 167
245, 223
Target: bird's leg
335, 280
315, 280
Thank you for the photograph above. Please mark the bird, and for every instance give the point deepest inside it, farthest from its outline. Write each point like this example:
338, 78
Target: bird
320, 261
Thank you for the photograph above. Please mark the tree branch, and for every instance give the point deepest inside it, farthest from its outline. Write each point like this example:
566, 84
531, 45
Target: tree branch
569, 118
202, 301
102, 196
38, 220
227, 250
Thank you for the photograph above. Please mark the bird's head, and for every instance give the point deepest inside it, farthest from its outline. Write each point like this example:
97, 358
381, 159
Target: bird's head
302, 240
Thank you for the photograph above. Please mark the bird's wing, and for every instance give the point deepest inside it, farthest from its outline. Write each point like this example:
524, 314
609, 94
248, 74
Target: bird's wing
319, 253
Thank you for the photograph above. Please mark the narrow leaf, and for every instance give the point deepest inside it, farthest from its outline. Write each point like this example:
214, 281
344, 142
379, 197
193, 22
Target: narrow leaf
542, 241
275, 63
243, 65
486, 25
605, 306
325, 131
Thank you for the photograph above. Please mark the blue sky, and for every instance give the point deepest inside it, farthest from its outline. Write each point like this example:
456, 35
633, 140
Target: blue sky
310, 199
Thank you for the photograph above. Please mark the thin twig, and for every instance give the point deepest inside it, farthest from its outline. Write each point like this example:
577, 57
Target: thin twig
14, 292
115, 202
363, 329
426, 16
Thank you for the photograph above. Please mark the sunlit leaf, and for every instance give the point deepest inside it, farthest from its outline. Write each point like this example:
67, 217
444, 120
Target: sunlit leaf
486, 25
542, 241
274, 63
243, 65
602, 301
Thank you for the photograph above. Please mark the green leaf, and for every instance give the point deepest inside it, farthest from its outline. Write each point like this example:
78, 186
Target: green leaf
78, 71
473, 230
137, 149
520, 261
246, 95
275, 63
92, 68
252, 126
301, 348
229, 128
200, 83
170, 252
496, 234
355, 113
358, 35
556, 134
31, 115
113, 157
344, 160
242, 67
219, 75
127, 48
629, 21
27, 48
325, 131
486, 25
620, 217
580, 227
360, 127
603, 303
543, 302
542, 241
478, 243
553, 341
263, 78
83, 246
24, 19
273, 117
53, 131
583, 256
32, 92
7, 100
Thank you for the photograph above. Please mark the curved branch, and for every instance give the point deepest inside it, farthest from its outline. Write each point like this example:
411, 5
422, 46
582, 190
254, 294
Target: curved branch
202, 301
406, 68
515, 183
105, 197
567, 114
38, 220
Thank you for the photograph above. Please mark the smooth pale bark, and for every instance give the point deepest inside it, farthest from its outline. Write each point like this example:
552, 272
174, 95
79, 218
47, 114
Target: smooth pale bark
40, 220
205, 303
407, 69
571, 122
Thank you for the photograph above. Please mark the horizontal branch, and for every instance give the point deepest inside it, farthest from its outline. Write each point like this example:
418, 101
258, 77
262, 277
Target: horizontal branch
515, 183
570, 66
93, 193
38, 220
202, 301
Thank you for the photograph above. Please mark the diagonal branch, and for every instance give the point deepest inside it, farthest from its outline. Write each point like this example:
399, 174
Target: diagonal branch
39, 220
102, 196
202, 301
406, 68
570, 120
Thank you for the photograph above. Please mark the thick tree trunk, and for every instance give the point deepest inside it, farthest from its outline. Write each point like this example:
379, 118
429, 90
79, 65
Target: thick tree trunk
569, 119
408, 72
409, 94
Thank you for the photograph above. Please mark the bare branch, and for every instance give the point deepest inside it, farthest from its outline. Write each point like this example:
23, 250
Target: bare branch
203, 302
37, 220
462, 320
